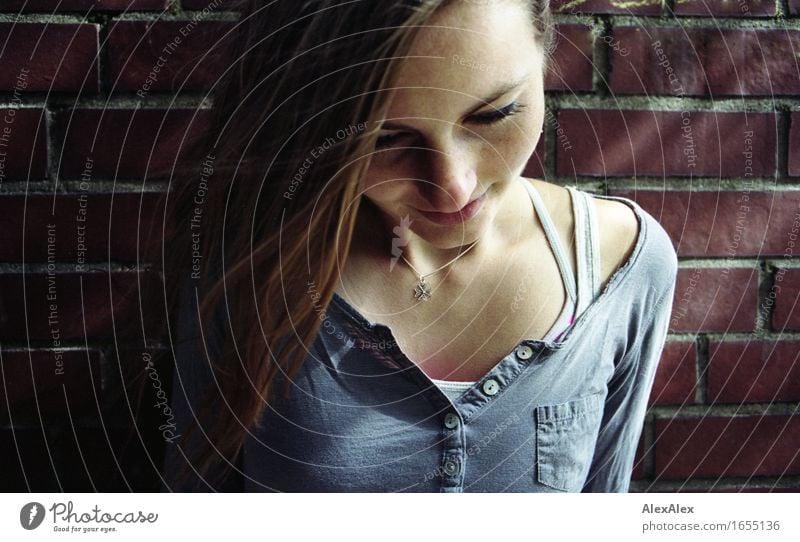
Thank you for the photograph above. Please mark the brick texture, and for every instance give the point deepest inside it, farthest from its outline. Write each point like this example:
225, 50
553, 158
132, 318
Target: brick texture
572, 65
717, 446
722, 300
98, 98
720, 223
753, 371
704, 61
608, 142
676, 377
174, 56
123, 143
51, 57
786, 314
723, 8
23, 144
794, 146
82, 229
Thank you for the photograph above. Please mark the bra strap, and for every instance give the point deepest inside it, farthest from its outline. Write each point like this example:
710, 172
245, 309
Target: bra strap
552, 237
587, 248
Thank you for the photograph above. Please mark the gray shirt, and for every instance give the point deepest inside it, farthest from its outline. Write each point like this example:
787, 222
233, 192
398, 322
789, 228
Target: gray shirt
551, 416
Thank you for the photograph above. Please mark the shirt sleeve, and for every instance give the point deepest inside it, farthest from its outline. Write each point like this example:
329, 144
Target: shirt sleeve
626, 405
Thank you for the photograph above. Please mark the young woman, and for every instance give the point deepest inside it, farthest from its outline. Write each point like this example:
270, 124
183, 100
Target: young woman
366, 243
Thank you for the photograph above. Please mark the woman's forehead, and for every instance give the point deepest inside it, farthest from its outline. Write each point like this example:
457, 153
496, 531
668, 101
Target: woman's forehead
471, 47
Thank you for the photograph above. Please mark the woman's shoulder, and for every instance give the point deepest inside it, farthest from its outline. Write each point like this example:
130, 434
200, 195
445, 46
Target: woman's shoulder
619, 231
617, 224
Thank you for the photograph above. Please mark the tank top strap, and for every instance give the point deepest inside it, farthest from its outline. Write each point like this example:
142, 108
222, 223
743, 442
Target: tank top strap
555, 244
587, 248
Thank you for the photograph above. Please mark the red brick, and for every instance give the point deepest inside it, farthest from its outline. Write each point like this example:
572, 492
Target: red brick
606, 142
676, 376
647, 7
572, 65
794, 145
51, 6
23, 144
786, 312
716, 446
190, 53
535, 166
110, 231
756, 370
717, 223
53, 383
638, 462
713, 62
52, 57
108, 302
726, 8
137, 142
713, 299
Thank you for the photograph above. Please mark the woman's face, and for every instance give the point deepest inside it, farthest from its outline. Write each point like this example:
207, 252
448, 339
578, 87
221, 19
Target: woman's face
465, 115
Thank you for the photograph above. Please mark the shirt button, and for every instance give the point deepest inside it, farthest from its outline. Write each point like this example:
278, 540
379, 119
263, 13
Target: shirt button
451, 420
451, 467
524, 351
490, 387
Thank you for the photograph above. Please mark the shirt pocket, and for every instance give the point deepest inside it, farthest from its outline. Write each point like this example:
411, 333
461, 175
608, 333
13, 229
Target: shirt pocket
565, 440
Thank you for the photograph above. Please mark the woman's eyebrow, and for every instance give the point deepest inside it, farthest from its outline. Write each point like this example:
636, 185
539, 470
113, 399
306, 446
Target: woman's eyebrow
501, 91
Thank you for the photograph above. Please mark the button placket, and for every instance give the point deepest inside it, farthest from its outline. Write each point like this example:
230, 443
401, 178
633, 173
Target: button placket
451, 420
491, 387
524, 351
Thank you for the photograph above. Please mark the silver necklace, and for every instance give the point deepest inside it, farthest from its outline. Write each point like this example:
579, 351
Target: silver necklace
422, 290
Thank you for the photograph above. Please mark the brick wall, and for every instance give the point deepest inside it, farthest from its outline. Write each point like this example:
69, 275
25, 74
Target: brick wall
688, 107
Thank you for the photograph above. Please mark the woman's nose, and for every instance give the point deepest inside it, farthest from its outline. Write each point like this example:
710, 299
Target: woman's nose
451, 180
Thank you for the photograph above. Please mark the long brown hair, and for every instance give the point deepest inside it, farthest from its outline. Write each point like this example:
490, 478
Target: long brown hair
288, 140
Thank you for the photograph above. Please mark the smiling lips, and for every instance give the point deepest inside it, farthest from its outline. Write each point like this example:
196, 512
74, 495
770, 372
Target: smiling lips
466, 213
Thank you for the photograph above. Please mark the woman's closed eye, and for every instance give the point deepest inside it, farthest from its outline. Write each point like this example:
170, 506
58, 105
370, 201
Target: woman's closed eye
487, 118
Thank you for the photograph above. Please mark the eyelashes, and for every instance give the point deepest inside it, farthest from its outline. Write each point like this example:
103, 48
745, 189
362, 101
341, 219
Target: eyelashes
487, 118
497, 115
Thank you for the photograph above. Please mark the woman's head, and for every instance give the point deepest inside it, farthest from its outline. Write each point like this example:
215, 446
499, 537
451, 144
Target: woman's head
466, 110
292, 140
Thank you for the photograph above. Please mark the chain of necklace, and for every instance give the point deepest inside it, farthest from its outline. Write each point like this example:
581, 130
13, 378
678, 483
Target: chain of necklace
422, 290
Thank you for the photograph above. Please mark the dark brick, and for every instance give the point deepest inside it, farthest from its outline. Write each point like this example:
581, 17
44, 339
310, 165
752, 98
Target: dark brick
794, 7
794, 145
749, 371
718, 223
647, 7
605, 142
51, 6
712, 299
572, 65
639, 471
54, 384
190, 54
124, 143
111, 306
786, 312
713, 62
716, 446
23, 144
676, 376
53, 57
116, 229
726, 8
535, 166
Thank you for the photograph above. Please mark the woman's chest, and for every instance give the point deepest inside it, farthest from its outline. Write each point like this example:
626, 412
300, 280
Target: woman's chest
465, 329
